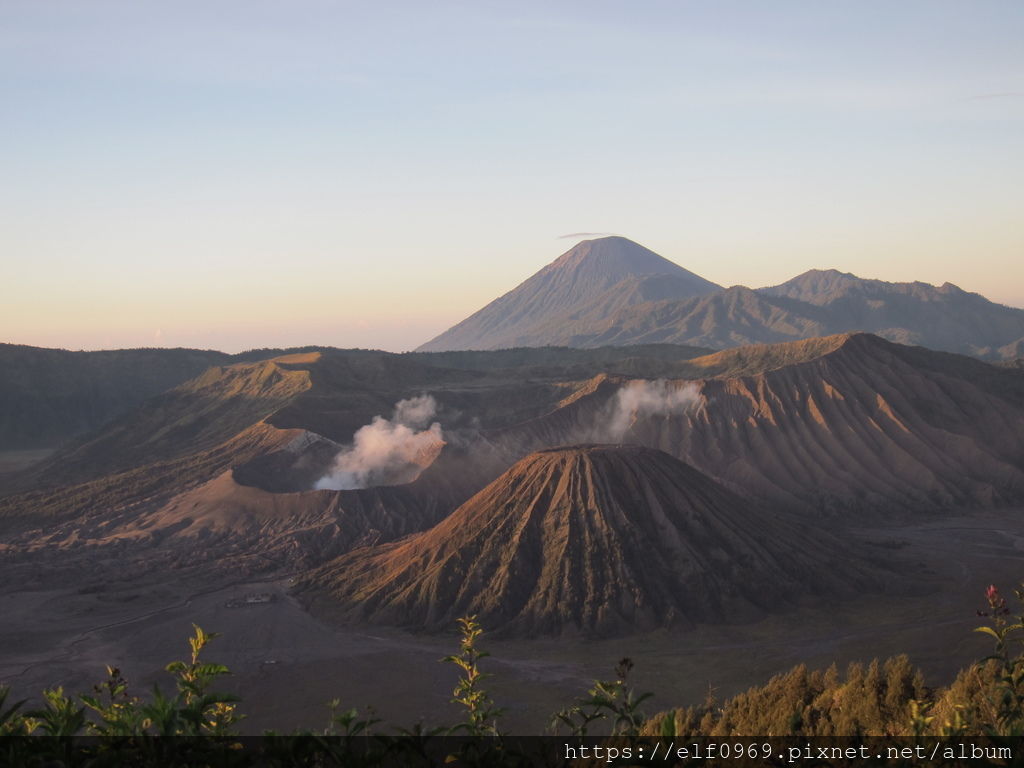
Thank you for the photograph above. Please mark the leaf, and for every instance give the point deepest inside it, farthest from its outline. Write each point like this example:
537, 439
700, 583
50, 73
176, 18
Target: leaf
668, 726
988, 631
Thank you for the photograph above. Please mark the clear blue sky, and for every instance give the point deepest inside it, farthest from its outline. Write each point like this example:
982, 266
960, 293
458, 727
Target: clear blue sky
239, 174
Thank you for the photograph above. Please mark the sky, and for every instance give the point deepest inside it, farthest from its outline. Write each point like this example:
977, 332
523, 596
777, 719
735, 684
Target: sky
234, 175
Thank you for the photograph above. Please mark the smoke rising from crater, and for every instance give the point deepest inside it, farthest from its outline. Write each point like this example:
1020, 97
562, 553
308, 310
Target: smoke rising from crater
388, 451
643, 399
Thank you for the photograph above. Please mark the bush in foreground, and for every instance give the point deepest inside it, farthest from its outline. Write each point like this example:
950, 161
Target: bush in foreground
196, 725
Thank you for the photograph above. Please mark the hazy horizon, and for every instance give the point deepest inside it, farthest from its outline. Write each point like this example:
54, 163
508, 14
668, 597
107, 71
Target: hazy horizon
269, 175
393, 328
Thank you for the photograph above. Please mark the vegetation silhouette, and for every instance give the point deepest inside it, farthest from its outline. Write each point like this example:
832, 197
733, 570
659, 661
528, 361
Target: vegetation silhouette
197, 725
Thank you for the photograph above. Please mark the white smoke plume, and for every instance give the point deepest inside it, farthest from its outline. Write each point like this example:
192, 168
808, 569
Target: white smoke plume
641, 398
415, 412
388, 451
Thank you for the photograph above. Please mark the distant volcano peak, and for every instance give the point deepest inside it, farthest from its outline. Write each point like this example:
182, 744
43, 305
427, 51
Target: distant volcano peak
594, 276
617, 257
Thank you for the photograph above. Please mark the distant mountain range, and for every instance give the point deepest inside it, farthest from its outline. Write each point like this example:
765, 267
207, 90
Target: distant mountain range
612, 291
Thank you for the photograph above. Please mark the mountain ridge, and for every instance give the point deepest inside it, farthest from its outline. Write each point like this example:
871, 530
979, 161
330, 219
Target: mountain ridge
836, 425
641, 308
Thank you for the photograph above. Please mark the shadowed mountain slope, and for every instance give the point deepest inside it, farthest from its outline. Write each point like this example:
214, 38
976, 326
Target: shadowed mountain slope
844, 422
527, 363
941, 317
816, 304
208, 410
593, 539
593, 279
50, 395
729, 318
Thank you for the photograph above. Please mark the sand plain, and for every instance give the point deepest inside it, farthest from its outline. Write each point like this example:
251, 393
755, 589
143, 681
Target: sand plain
287, 664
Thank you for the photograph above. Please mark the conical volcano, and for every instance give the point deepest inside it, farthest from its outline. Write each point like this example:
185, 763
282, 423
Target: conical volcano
597, 540
590, 280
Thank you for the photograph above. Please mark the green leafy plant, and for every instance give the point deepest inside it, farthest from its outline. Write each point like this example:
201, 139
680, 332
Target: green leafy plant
117, 714
609, 702
201, 710
349, 739
59, 720
1008, 657
482, 743
10, 720
481, 715
60, 717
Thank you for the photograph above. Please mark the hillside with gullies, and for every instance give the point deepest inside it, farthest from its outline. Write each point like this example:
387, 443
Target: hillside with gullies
328, 392
849, 422
231, 457
226, 468
593, 540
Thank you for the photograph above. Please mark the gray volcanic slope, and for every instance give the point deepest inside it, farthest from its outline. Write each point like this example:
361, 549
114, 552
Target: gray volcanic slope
818, 303
593, 539
941, 317
596, 277
613, 292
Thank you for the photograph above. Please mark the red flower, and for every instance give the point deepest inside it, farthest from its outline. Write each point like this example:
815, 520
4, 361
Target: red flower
995, 601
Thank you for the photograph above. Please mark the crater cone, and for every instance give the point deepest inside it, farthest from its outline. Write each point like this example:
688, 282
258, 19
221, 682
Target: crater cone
590, 539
